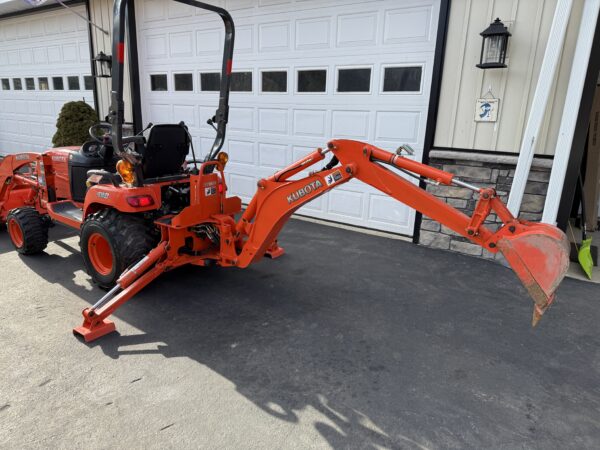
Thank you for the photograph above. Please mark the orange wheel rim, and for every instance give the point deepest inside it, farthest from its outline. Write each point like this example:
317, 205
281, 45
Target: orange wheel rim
16, 234
100, 254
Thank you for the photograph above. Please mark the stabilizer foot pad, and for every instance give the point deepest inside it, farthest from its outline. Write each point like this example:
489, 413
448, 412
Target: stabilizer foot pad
93, 332
275, 252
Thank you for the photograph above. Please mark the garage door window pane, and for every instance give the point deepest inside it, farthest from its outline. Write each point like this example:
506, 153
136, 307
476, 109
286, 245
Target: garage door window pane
158, 82
5, 84
73, 83
43, 84
184, 82
312, 80
275, 81
402, 79
88, 82
17, 85
58, 84
30, 84
354, 80
210, 82
241, 82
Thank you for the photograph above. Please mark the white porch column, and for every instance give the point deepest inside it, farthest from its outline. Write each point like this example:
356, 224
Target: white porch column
539, 103
581, 60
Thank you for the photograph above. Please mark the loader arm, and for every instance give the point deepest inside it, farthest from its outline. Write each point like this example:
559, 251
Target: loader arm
538, 253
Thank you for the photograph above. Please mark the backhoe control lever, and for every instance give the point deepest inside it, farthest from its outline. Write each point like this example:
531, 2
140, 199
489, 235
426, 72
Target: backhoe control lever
405, 148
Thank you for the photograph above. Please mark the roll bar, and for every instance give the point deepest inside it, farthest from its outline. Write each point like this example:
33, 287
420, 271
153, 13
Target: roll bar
117, 107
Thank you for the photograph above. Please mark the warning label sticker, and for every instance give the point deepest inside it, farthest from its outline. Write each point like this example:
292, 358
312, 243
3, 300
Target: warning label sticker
333, 178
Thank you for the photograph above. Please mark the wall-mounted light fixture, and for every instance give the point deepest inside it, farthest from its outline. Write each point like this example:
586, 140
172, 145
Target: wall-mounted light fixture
494, 45
103, 65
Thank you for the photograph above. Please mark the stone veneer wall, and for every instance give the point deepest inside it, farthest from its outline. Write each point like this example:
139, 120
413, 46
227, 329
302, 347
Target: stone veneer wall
486, 170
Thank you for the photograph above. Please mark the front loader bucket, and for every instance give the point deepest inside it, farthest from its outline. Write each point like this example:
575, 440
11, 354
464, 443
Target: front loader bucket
540, 258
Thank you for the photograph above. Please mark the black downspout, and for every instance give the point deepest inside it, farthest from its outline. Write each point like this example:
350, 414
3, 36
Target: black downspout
92, 56
580, 135
134, 69
434, 97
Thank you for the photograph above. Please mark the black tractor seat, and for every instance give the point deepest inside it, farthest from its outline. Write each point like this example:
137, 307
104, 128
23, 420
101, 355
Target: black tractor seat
164, 153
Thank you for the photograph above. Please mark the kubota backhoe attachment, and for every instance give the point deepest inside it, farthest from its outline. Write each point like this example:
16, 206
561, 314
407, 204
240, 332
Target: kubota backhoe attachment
538, 253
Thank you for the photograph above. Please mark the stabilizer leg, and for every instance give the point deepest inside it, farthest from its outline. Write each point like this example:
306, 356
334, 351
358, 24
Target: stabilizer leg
95, 322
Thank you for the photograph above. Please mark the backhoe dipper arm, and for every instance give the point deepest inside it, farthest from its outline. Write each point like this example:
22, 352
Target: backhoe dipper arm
537, 252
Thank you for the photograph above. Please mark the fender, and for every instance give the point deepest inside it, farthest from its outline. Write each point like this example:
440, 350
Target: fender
116, 198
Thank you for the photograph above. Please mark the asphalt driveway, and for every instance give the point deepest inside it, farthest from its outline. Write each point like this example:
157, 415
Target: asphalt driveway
348, 341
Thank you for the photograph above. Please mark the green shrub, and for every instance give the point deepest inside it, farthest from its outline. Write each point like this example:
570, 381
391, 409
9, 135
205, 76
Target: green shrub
73, 122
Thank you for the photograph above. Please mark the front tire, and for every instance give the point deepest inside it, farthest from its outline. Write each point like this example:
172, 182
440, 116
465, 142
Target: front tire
27, 230
111, 241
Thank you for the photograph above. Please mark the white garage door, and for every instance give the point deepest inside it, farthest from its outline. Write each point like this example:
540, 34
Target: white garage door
44, 62
305, 71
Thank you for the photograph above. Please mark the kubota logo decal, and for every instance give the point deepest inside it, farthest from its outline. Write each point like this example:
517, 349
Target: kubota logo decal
302, 192
22, 157
103, 195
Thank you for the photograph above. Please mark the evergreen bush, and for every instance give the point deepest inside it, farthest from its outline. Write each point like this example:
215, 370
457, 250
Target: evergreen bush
73, 122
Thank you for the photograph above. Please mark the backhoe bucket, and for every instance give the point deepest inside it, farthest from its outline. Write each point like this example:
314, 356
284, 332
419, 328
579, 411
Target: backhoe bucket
540, 258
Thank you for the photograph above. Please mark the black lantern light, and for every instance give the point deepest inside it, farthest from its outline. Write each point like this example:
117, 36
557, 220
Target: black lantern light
494, 45
103, 65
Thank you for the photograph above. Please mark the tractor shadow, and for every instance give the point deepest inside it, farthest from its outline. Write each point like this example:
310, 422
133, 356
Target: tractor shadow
61, 263
396, 346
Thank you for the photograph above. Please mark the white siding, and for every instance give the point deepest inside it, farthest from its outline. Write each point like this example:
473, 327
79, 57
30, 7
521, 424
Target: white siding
529, 22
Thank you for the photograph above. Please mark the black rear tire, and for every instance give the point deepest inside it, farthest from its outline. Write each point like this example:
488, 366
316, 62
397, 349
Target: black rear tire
28, 230
129, 238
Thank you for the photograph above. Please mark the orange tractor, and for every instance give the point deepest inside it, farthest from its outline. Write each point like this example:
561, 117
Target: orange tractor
142, 209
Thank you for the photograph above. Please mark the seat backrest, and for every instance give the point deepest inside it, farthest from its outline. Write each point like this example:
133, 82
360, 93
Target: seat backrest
165, 150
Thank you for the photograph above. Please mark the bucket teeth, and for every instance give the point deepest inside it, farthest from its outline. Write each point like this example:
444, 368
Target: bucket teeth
538, 312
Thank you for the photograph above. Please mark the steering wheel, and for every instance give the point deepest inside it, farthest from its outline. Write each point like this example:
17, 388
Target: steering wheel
105, 128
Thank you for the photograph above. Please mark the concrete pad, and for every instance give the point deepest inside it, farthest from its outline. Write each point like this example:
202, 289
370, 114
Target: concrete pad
348, 341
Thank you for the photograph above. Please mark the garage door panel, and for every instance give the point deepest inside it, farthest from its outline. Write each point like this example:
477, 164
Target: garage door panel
313, 33
156, 46
310, 122
242, 185
176, 10
273, 156
358, 29
241, 119
410, 24
274, 36
397, 126
387, 211
273, 121
270, 128
49, 46
350, 124
344, 203
181, 44
241, 153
